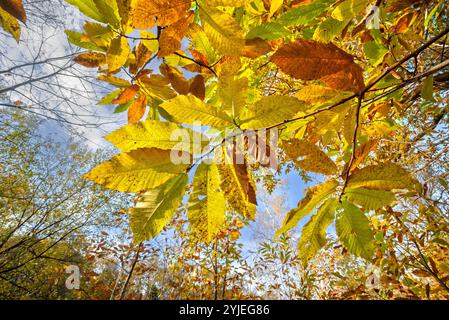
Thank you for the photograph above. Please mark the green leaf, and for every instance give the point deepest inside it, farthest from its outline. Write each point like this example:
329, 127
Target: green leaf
89, 8
109, 11
354, 231
189, 109
268, 31
156, 207
375, 52
75, 38
329, 29
107, 99
427, 89
313, 235
303, 15
123, 107
314, 196
207, 205
368, 198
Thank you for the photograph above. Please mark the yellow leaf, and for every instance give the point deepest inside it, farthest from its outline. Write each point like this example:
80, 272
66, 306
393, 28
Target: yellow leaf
118, 53
15, 9
316, 94
156, 134
348, 9
308, 156
275, 5
314, 196
9, 24
225, 3
238, 188
156, 207
233, 93
207, 206
223, 31
385, 176
313, 234
368, 198
136, 171
190, 109
272, 110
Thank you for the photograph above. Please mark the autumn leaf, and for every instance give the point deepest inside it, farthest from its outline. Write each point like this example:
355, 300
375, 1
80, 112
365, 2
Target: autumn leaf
156, 207
10, 24
171, 36
126, 95
206, 209
91, 59
197, 87
311, 60
136, 171
309, 157
223, 31
404, 22
15, 9
314, 197
137, 109
118, 53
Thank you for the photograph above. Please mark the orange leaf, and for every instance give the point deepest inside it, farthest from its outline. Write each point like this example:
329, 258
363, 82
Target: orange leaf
197, 87
161, 12
126, 95
137, 109
404, 22
177, 80
311, 60
171, 36
14, 8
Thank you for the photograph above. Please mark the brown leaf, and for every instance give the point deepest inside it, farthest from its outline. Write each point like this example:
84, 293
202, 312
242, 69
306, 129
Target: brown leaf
126, 95
348, 79
142, 55
177, 80
197, 87
255, 48
14, 8
91, 59
404, 22
137, 109
311, 60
